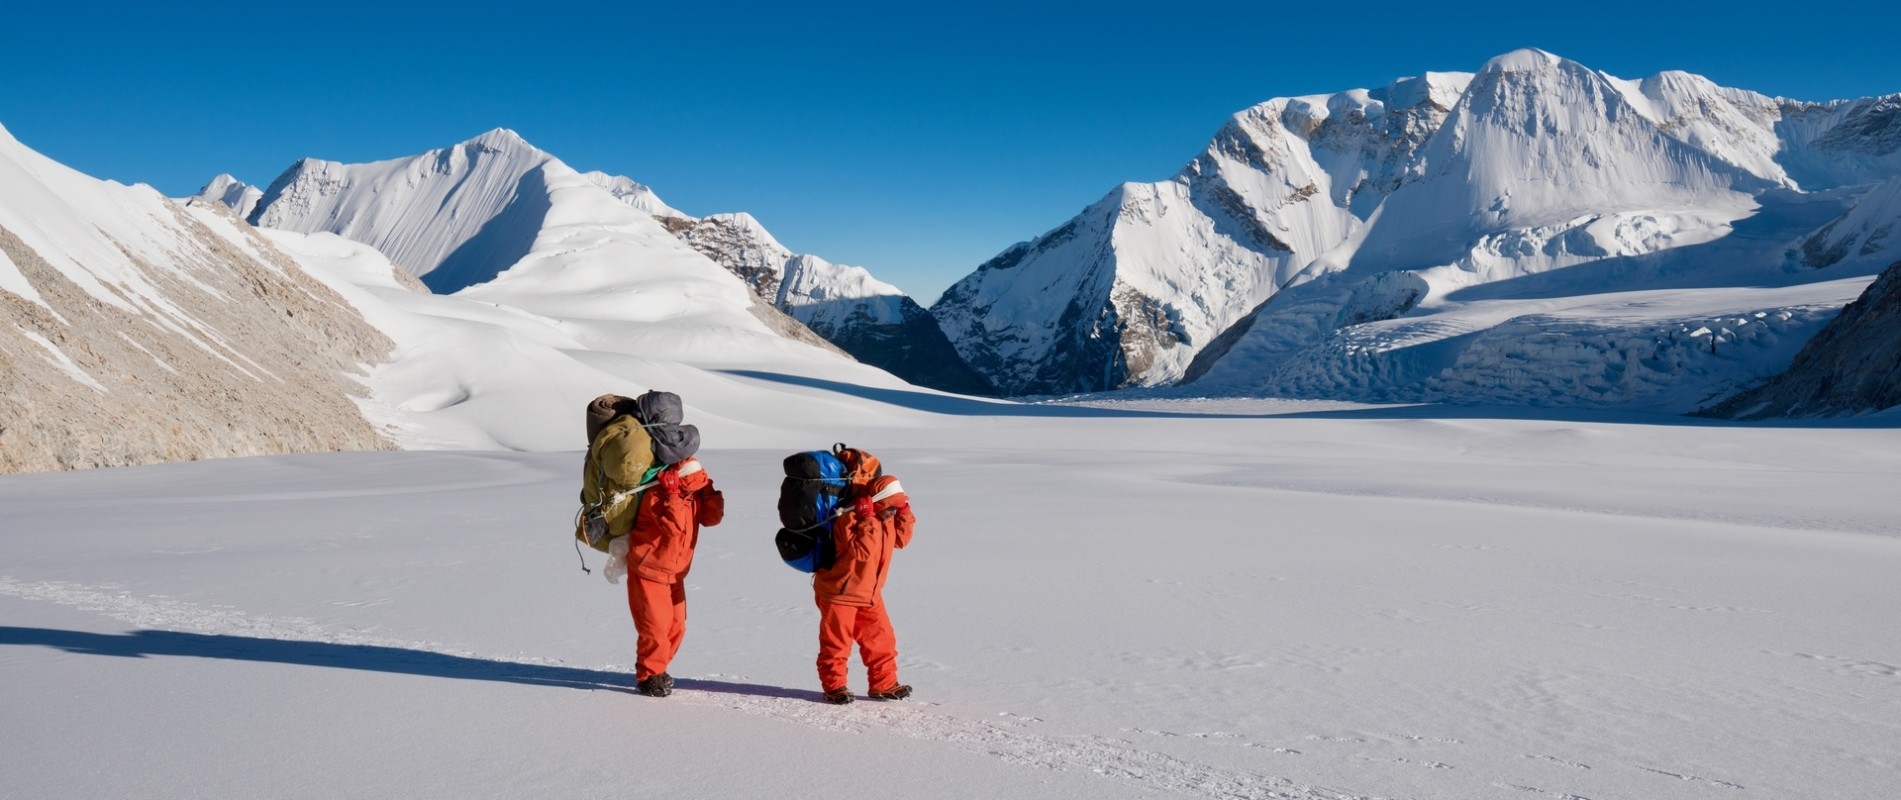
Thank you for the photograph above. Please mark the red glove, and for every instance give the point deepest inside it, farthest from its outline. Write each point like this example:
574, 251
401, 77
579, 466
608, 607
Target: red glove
670, 481
865, 507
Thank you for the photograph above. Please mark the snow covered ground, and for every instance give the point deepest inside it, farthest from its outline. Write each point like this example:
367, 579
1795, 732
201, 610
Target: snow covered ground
1161, 598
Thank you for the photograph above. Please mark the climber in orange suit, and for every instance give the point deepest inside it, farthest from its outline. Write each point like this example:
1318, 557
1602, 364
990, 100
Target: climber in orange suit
850, 593
660, 551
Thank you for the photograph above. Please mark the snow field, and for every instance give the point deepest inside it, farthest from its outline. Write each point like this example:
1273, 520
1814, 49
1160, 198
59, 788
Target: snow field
1100, 603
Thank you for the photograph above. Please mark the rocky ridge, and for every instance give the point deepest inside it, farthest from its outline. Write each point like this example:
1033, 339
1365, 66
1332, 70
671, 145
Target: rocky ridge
135, 329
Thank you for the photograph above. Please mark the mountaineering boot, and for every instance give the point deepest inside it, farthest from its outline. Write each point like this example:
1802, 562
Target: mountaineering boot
659, 685
898, 692
839, 696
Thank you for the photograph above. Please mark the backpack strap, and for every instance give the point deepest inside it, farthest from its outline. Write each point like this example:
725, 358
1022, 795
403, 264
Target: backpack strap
688, 467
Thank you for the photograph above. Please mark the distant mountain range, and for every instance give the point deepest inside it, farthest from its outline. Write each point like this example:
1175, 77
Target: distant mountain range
1514, 235
463, 215
1533, 233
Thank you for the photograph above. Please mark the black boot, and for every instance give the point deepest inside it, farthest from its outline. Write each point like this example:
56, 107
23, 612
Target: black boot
839, 696
658, 685
898, 692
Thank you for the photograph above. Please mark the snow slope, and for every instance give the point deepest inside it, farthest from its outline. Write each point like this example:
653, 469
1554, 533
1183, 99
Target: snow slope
468, 215
454, 217
134, 329
1309, 216
633, 193
511, 364
143, 329
1347, 604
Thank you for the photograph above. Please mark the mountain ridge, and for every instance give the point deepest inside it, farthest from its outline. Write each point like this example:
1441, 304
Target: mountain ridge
1383, 207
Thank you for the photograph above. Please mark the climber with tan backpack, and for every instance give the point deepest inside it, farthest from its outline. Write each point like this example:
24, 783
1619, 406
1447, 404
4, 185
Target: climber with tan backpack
644, 498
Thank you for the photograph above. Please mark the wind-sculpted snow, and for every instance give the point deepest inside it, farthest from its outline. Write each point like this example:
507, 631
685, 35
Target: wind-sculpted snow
454, 217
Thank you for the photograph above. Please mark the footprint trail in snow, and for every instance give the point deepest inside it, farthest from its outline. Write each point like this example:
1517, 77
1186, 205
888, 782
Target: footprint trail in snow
1110, 758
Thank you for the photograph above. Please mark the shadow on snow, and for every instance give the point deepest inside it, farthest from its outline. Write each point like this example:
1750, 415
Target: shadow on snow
370, 658
959, 405
956, 405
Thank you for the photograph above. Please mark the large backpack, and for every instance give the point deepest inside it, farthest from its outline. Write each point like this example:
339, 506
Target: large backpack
630, 440
817, 483
660, 413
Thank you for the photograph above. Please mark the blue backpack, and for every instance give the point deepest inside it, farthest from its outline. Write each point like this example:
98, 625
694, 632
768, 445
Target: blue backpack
816, 483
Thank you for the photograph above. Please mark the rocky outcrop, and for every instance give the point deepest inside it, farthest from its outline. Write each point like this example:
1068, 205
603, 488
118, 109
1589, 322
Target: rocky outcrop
869, 319
1852, 366
235, 351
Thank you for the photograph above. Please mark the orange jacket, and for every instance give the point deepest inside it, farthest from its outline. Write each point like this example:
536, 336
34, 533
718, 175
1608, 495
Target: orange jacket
879, 521
667, 526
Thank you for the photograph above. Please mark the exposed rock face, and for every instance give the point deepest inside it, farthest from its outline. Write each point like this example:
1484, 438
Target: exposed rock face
869, 319
226, 349
1852, 366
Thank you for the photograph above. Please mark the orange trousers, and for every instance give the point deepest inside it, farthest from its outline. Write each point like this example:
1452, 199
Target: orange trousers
841, 625
660, 620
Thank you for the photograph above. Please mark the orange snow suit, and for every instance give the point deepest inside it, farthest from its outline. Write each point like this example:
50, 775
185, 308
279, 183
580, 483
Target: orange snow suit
659, 554
850, 594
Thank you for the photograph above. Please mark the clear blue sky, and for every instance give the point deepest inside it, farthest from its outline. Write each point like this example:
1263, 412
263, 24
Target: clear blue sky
916, 140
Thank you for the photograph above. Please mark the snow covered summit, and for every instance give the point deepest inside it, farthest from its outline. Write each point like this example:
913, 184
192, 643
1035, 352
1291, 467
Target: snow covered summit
465, 216
1400, 243
234, 194
454, 217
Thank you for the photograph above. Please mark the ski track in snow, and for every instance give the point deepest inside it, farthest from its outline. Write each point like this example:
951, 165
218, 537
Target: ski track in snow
1110, 758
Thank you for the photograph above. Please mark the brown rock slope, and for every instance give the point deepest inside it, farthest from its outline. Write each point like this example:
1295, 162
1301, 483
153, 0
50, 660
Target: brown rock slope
239, 353
1852, 366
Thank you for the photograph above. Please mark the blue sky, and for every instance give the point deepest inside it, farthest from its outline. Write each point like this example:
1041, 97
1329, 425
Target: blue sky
916, 140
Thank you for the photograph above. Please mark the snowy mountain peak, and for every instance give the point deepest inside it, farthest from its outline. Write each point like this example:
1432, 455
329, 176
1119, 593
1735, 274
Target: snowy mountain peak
1376, 204
1524, 59
234, 194
454, 217
500, 140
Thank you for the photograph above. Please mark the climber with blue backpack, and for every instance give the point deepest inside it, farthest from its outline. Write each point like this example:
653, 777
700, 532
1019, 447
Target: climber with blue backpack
644, 498
843, 517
